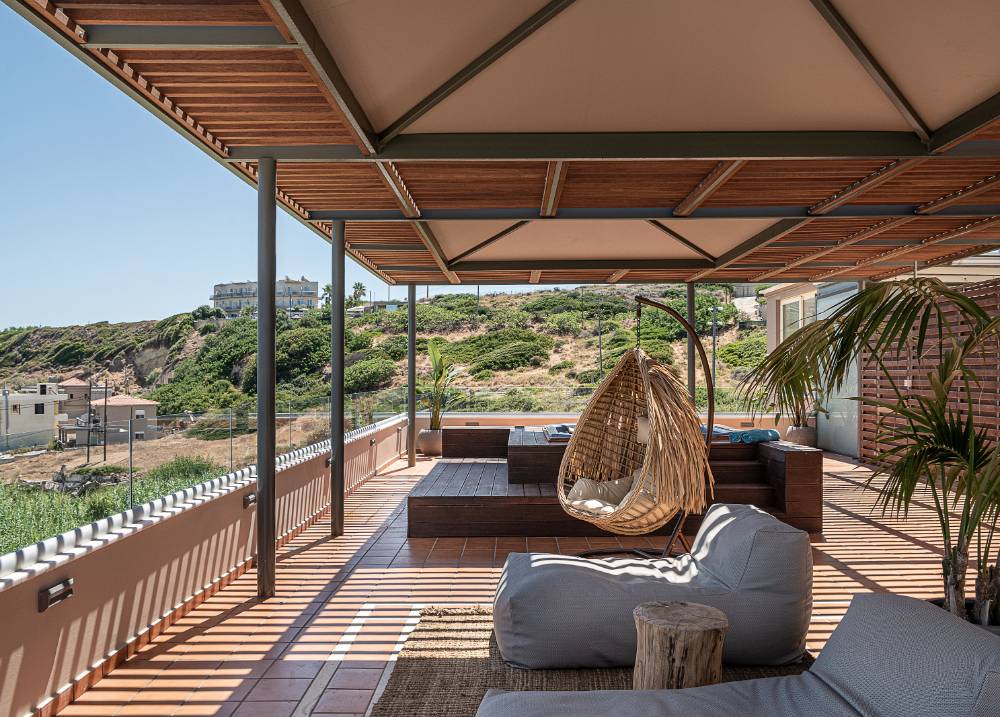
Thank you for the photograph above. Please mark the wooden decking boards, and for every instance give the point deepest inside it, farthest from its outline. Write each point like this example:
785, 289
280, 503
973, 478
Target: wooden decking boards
345, 606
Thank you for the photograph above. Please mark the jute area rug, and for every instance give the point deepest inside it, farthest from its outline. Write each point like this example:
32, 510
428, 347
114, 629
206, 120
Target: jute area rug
451, 659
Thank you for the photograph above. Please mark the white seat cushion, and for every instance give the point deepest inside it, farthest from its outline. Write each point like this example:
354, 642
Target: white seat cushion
599, 497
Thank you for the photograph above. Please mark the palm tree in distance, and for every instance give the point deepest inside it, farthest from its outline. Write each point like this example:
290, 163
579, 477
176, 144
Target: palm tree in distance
358, 291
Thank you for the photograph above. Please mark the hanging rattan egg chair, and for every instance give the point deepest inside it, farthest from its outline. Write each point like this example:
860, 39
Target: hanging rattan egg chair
638, 456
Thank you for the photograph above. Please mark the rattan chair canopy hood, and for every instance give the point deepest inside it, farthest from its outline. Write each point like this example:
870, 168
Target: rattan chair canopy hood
640, 429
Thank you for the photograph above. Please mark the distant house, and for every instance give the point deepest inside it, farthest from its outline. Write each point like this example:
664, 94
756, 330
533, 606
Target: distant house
372, 306
78, 396
29, 416
292, 295
117, 411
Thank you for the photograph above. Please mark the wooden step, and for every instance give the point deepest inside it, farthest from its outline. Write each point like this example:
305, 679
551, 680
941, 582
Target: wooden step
758, 494
738, 471
726, 451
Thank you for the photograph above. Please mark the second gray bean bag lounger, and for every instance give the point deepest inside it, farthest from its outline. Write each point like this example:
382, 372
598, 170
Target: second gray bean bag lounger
563, 611
891, 656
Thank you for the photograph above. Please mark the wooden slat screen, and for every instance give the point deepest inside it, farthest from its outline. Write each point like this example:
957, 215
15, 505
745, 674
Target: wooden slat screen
986, 397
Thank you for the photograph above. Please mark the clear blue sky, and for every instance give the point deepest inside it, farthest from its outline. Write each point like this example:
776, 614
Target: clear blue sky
110, 215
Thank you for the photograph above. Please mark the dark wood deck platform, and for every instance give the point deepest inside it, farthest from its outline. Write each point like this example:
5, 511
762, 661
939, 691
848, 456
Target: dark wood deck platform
471, 497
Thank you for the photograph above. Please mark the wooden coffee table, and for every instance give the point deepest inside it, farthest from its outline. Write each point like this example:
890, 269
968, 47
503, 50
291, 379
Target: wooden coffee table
532, 458
679, 644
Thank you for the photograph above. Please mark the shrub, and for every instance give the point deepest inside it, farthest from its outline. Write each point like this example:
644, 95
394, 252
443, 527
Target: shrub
475, 348
68, 353
511, 356
566, 323
301, 351
368, 375
507, 318
561, 366
747, 352
394, 347
589, 304
589, 376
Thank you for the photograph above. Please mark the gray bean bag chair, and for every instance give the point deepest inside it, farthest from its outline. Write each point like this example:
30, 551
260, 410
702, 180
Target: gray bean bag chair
891, 656
563, 611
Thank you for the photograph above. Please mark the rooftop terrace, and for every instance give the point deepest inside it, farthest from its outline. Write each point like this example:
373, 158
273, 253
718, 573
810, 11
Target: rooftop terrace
344, 606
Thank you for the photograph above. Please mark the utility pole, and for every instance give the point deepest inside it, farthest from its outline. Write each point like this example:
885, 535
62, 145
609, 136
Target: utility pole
715, 313
105, 419
131, 489
600, 344
90, 414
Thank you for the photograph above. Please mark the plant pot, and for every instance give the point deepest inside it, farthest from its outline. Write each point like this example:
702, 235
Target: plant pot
802, 435
429, 442
970, 606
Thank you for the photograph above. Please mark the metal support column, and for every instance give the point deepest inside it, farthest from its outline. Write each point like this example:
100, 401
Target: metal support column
690, 346
266, 276
411, 375
337, 382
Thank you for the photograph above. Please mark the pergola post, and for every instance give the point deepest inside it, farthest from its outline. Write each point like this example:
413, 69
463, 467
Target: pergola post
690, 341
411, 375
266, 276
337, 380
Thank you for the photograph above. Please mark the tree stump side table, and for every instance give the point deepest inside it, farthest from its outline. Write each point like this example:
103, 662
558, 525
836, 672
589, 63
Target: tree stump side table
679, 644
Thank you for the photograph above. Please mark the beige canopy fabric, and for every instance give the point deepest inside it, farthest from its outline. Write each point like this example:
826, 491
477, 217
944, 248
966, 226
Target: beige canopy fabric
579, 141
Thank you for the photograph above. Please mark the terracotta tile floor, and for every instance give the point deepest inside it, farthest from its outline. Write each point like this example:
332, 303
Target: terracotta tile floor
345, 606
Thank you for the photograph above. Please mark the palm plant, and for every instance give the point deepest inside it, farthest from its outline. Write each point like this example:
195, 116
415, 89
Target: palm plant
435, 395
933, 444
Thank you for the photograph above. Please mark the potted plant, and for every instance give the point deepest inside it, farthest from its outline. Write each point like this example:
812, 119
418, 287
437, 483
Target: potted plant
434, 396
793, 393
934, 450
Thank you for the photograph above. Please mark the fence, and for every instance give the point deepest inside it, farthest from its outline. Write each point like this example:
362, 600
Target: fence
909, 371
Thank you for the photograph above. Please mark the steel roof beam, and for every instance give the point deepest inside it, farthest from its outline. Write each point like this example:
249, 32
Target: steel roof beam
860, 211
681, 239
598, 146
761, 239
966, 125
847, 35
185, 37
311, 44
580, 264
494, 53
487, 242
434, 247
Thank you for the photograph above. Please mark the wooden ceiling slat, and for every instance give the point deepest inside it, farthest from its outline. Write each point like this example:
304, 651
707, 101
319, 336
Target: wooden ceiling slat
177, 12
789, 182
447, 185
931, 180
630, 184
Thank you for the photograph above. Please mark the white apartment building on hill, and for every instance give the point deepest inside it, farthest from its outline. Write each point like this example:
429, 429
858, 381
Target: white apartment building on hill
292, 295
29, 416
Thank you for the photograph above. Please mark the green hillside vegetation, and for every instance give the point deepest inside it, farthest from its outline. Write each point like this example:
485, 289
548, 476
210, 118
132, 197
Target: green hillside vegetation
198, 362
746, 352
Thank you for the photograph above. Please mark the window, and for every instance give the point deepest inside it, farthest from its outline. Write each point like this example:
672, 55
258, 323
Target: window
789, 318
796, 313
140, 436
39, 409
808, 309
42, 389
16, 408
140, 414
